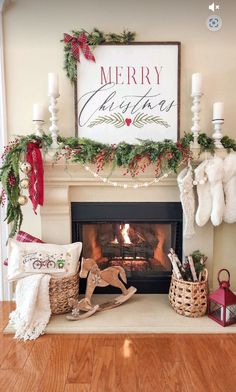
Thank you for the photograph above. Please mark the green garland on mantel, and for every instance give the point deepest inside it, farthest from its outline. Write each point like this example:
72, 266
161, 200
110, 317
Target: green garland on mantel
95, 38
164, 155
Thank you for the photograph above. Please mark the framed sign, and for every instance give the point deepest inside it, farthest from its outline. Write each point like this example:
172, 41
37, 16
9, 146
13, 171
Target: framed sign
130, 92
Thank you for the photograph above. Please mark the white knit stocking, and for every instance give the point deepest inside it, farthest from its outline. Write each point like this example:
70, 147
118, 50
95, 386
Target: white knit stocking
214, 171
204, 195
185, 183
229, 181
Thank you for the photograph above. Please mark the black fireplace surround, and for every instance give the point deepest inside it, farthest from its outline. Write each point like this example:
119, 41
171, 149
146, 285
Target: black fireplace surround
149, 224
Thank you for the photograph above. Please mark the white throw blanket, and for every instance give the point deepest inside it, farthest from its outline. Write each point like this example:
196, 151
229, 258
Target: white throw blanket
32, 306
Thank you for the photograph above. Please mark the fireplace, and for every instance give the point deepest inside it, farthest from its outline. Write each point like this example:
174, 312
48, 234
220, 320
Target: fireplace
134, 235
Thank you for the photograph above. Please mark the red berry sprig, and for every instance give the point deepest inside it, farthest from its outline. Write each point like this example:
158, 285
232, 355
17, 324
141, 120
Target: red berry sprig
100, 160
11, 180
9, 147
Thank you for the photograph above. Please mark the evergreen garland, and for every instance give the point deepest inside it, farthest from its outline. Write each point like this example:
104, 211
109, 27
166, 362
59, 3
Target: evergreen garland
228, 143
206, 143
164, 155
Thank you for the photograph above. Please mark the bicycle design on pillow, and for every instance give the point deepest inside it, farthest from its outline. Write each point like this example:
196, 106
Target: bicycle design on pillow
42, 261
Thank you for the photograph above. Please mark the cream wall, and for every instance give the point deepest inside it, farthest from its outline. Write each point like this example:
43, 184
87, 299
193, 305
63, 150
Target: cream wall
33, 29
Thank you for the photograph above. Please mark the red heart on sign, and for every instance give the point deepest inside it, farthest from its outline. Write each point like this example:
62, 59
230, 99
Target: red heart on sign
128, 121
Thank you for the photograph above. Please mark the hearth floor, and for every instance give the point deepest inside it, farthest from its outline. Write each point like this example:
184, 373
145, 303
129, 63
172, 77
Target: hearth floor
143, 313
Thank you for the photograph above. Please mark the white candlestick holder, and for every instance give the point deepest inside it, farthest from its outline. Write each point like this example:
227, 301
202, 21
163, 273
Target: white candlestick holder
54, 119
195, 109
217, 135
38, 126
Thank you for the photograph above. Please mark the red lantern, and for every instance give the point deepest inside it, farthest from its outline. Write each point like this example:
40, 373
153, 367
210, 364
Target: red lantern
222, 303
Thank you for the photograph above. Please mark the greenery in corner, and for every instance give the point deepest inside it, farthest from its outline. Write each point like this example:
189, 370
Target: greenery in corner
199, 260
134, 159
95, 38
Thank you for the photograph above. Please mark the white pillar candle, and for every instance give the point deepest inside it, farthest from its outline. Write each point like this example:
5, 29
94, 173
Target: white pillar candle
38, 112
196, 83
53, 85
218, 111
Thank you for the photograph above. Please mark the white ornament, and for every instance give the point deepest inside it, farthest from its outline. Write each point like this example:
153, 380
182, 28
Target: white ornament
24, 183
22, 200
25, 167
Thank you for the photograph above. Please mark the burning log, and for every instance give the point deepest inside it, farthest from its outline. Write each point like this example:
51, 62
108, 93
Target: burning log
113, 251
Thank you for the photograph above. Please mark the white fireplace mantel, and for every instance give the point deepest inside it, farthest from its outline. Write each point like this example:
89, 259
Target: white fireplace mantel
69, 183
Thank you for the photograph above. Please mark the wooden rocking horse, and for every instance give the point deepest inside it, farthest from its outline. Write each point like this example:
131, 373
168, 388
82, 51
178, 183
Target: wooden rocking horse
99, 278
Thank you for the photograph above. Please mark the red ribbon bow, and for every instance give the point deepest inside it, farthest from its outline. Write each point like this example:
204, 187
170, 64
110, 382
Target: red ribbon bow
36, 189
78, 44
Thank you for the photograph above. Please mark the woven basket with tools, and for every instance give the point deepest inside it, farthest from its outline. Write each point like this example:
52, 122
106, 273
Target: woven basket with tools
61, 290
189, 298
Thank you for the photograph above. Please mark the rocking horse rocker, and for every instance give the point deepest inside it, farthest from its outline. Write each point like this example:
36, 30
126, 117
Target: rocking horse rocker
99, 278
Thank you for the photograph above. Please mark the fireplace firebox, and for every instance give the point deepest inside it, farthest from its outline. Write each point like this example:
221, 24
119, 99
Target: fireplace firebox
136, 236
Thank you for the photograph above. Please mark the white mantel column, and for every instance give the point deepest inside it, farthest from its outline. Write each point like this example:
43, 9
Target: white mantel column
56, 215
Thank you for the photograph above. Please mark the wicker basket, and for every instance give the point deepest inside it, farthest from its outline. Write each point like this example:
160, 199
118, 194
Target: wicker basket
189, 298
61, 290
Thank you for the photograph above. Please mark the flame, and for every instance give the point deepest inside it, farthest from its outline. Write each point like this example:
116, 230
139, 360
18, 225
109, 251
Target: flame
124, 232
115, 241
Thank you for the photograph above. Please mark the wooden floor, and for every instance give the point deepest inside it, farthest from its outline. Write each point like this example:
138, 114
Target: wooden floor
127, 363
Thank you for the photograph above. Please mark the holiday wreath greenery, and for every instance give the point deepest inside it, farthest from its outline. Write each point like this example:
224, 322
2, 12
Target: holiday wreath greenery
164, 156
93, 39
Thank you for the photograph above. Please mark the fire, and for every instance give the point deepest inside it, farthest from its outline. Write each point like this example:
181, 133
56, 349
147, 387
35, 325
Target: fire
124, 232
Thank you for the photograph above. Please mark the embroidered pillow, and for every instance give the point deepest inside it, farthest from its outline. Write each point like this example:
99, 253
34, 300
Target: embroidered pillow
25, 258
22, 236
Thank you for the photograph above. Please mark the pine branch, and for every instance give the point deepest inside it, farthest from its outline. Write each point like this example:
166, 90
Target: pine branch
228, 144
206, 143
142, 119
115, 119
